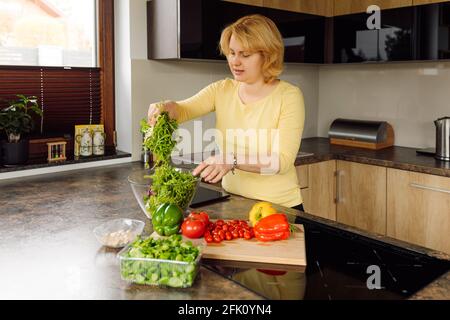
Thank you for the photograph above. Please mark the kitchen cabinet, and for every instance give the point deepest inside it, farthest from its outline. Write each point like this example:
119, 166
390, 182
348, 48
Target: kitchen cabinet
191, 29
355, 42
344, 7
432, 40
316, 7
418, 209
258, 3
361, 196
420, 2
411, 33
318, 188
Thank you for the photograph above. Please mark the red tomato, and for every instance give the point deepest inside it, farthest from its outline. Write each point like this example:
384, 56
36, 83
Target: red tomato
217, 239
235, 234
222, 234
192, 228
228, 236
209, 239
200, 216
272, 272
247, 235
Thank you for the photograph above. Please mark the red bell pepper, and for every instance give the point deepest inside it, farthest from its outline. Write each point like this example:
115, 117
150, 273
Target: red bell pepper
272, 228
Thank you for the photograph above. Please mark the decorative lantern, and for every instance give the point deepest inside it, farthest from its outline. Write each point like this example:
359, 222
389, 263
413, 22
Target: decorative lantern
56, 151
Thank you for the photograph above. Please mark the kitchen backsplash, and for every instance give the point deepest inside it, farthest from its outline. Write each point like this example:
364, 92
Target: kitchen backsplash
410, 96
175, 80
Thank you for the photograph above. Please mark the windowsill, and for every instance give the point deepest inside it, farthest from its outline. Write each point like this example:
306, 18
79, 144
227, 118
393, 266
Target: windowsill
41, 166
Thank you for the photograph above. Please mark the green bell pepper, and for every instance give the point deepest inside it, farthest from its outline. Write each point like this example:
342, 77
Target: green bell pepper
167, 219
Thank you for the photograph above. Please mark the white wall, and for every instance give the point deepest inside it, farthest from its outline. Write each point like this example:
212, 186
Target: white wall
410, 96
123, 74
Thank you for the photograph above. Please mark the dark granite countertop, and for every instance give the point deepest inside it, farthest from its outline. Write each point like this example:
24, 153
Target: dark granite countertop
48, 250
393, 157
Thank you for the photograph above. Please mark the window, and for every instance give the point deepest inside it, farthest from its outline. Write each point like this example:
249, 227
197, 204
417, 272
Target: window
62, 52
48, 33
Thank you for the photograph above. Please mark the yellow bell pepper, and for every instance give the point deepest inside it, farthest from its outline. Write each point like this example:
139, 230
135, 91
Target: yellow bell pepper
259, 211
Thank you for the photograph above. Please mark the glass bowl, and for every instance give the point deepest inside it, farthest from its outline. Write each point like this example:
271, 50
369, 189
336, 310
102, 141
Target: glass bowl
118, 233
141, 182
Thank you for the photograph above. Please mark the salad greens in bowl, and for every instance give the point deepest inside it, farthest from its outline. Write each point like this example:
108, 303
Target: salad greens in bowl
167, 261
164, 184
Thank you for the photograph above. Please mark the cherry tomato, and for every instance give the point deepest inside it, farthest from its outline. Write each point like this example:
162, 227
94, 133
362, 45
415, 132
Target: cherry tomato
247, 235
209, 239
217, 239
235, 234
241, 233
200, 216
220, 222
228, 236
222, 234
192, 228
225, 227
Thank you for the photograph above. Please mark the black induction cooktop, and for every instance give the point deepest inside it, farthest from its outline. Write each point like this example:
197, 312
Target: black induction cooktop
205, 196
341, 265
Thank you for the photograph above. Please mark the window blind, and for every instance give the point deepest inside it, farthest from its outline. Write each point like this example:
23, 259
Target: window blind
67, 96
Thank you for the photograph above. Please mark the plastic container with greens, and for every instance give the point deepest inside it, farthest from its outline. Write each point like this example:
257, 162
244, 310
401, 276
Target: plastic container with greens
167, 261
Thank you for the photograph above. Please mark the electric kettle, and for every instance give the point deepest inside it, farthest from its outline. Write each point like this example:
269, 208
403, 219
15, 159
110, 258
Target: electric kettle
443, 138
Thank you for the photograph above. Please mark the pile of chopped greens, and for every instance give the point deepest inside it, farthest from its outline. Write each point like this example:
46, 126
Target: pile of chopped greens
169, 185
135, 268
159, 139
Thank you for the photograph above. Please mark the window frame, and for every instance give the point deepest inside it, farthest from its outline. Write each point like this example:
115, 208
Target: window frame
105, 62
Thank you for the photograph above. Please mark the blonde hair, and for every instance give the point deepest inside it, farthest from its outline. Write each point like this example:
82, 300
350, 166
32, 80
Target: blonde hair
257, 33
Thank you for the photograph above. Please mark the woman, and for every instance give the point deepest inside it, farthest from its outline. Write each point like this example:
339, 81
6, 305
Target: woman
265, 114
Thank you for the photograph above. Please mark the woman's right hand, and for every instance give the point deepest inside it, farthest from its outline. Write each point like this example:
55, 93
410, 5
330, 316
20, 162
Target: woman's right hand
155, 109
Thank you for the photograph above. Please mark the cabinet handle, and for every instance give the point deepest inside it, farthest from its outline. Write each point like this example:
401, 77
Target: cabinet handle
338, 174
419, 186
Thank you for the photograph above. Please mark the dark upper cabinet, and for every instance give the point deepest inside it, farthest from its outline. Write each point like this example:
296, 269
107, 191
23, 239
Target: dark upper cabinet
433, 31
415, 33
393, 41
303, 35
191, 29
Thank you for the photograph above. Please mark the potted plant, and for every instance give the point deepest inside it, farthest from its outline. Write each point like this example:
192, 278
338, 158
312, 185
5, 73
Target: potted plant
15, 120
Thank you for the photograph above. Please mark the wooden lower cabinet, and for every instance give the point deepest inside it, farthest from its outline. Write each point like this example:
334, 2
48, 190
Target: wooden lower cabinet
319, 188
418, 209
361, 196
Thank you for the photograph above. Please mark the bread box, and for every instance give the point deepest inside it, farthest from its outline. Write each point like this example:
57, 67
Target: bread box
361, 133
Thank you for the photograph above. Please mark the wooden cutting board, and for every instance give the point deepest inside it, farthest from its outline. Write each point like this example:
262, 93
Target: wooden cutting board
288, 252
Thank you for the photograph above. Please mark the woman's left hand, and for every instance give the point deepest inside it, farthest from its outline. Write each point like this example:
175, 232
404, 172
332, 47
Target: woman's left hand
213, 169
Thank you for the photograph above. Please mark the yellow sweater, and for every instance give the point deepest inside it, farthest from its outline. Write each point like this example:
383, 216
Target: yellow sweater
283, 110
